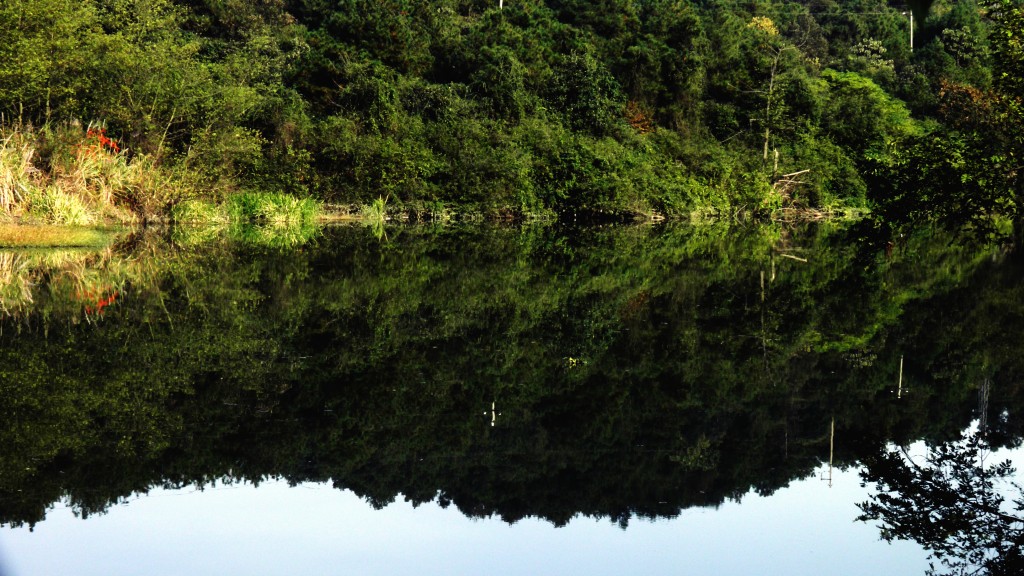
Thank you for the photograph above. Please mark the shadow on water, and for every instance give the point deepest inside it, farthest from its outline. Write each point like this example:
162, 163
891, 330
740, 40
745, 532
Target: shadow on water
617, 372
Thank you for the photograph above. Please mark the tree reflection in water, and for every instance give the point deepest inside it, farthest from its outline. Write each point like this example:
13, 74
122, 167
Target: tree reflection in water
954, 503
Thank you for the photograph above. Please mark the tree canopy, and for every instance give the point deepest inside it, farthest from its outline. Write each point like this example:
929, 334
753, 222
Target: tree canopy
542, 107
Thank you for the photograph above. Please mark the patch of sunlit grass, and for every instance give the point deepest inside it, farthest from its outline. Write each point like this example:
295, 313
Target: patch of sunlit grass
21, 236
271, 207
53, 205
261, 219
198, 212
377, 211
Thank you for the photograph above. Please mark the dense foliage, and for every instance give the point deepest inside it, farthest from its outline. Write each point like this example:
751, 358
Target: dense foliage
545, 106
967, 171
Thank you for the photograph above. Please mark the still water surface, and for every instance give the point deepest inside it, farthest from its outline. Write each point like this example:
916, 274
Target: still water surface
315, 529
593, 401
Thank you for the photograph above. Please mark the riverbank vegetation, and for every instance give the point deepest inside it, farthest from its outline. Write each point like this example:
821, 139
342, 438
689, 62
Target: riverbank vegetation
612, 109
267, 219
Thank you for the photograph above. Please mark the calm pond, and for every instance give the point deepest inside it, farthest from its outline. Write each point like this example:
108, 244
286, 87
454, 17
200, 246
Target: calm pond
514, 400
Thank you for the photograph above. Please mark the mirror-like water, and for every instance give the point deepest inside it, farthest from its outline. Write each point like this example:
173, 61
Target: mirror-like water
315, 529
572, 382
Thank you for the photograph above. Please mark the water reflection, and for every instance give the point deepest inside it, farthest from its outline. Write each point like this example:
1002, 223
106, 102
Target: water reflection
956, 500
315, 529
620, 373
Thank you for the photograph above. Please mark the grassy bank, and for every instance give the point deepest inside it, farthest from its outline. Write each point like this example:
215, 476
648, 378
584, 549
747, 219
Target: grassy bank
72, 175
47, 236
76, 175
71, 185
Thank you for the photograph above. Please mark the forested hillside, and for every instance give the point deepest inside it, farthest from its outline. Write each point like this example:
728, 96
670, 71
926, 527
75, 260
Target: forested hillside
651, 107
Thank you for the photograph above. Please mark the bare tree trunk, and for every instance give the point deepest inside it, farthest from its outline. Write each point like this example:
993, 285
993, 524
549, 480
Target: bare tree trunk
768, 104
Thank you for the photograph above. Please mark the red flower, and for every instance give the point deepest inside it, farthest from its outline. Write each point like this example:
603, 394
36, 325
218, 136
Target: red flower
99, 136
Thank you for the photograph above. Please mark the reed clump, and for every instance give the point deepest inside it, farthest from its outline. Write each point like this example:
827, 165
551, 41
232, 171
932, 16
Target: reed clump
263, 208
260, 218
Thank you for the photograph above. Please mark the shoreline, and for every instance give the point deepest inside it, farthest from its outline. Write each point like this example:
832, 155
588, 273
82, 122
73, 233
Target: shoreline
35, 235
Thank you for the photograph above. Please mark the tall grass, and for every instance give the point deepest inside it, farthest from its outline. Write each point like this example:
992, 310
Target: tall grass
251, 207
198, 212
17, 173
55, 206
271, 207
376, 215
377, 211
69, 174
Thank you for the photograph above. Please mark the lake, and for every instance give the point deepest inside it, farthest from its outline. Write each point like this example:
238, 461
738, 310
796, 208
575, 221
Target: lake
511, 399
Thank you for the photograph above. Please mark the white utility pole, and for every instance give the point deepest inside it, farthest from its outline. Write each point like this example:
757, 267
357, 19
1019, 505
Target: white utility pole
911, 30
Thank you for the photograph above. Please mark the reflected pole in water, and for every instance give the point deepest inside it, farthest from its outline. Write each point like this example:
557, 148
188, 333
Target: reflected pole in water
831, 450
899, 384
494, 413
983, 393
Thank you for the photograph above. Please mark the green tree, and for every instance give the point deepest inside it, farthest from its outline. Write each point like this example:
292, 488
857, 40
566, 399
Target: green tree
500, 83
587, 93
47, 58
968, 173
862, 117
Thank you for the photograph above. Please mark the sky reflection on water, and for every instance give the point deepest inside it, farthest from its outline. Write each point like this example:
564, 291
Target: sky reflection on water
807, 528
638, 371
